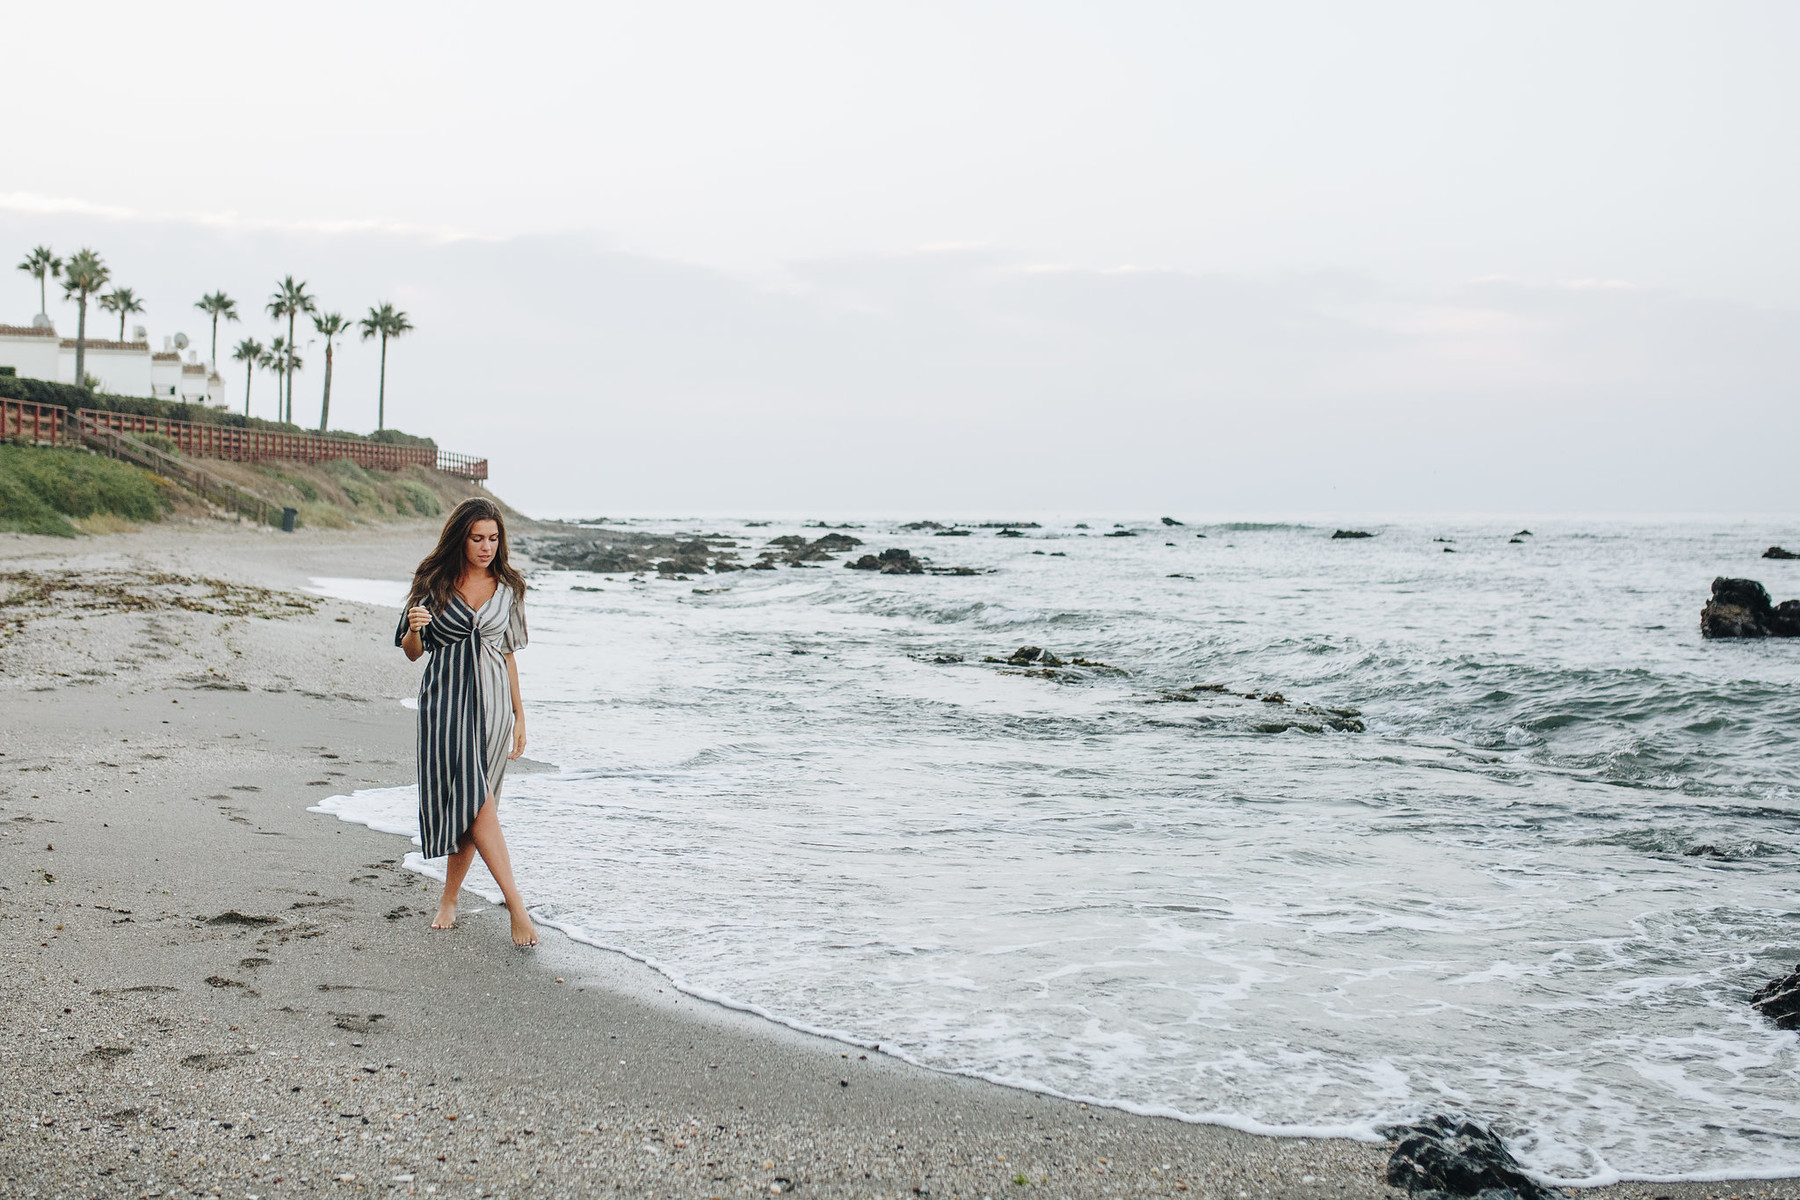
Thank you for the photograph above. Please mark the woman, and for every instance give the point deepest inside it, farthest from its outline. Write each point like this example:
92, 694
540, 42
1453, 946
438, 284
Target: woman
467, 610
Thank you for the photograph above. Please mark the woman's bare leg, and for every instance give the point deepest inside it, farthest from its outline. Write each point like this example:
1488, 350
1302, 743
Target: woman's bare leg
455, 868
486, 837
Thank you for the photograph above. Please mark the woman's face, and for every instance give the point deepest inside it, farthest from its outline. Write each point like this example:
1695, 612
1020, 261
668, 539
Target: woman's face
483, 543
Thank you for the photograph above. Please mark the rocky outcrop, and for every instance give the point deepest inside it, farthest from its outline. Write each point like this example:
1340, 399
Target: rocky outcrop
1441, 1157
1351, 533
625, 551
1740, 608
1779, 1000
1172, 521
1778, 552
889, 562
903, 562
1122, 533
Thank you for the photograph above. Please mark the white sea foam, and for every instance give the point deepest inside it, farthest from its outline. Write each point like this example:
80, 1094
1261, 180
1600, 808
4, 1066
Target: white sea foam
1093, 887
382, 593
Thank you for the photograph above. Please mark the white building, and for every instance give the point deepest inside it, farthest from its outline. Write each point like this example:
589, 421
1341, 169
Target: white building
123, 368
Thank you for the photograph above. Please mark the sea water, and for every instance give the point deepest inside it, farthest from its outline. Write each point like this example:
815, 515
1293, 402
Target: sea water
1536, 888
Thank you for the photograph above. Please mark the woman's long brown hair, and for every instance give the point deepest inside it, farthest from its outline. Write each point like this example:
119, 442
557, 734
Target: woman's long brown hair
435, 580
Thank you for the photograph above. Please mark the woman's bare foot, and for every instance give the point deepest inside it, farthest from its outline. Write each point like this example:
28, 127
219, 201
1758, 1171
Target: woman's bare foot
446, 915
523, 933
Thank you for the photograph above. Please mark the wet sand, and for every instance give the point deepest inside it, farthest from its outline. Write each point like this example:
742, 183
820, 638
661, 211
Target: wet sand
212, 991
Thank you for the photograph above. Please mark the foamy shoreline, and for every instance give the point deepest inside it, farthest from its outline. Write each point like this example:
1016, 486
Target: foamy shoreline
235, 726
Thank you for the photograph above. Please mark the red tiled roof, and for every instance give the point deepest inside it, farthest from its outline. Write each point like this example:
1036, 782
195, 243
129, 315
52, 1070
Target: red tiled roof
166, 356
102, 344
192, 369
26, 331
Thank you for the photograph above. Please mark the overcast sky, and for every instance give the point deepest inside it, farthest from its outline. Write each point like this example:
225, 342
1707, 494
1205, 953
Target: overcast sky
1188, 257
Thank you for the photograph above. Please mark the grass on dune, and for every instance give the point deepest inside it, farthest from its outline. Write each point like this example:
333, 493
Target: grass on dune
41, 490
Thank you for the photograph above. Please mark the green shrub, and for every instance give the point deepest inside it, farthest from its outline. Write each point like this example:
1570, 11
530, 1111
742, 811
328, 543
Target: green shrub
76, 484
159, 441
22, 511
303, 486
362, 495
394, 437
344, 469
421, 499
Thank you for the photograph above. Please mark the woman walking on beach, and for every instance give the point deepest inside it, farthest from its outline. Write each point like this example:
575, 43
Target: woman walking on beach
467, 610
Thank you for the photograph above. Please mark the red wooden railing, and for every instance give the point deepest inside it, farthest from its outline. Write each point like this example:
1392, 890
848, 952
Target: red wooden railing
203, 440
40, 424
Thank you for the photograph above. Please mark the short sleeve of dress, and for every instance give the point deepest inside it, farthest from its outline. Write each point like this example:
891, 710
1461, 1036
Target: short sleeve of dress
516, 637
400, 630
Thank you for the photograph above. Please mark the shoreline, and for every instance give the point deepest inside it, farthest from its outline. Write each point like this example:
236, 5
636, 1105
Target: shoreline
201, 740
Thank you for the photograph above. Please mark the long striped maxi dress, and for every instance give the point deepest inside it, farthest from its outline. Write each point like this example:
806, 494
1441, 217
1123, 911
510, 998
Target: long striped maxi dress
465, 713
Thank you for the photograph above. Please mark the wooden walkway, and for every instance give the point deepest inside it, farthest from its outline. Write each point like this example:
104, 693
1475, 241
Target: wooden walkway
47, 425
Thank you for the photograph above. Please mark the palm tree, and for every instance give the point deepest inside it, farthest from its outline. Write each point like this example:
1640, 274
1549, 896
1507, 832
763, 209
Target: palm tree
123, 301
83, 275
329, 325
217, 305
384, 322
43, 264
285, 359
290, 300
251, 353
271, 362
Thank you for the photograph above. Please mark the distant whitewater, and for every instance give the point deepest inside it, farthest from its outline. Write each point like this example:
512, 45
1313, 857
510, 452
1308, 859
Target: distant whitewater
1536, 888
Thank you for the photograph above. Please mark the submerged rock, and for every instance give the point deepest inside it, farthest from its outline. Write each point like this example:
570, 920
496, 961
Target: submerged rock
1442, 1157
1172, 521
1122, 533
1740, 608
1778, 552
1351, 533
1779, 1000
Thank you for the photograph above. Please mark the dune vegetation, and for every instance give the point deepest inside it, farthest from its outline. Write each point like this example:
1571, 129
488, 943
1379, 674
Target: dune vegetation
63, 492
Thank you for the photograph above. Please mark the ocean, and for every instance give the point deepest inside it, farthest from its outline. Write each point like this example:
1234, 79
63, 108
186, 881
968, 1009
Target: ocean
1326, 833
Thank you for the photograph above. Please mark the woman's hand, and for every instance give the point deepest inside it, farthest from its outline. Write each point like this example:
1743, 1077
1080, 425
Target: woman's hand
417, 618
518, 738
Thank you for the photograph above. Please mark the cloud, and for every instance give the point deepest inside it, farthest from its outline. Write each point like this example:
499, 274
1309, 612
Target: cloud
225, 222
599, 379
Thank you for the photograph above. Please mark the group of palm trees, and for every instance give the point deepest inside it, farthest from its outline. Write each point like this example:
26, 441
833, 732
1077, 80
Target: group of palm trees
84, 274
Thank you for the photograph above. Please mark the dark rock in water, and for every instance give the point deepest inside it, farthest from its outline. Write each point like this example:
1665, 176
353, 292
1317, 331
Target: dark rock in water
889, 562
1351, 533
788, 541
1441, 1157
951, 533
1707, 850
1009, 525
1523, 533
1081, 525
837, 541
1448, 550
1199, 535
1172, 521
1122, 533
915, 526
1779, 1000
1740, 608
1778, 552
1009, 533
1024, 654
1515, 541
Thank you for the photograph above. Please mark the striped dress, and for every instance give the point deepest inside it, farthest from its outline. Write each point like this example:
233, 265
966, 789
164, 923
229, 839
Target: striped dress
465, 713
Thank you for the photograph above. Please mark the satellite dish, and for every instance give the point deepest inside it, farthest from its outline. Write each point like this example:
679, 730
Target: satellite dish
181, 342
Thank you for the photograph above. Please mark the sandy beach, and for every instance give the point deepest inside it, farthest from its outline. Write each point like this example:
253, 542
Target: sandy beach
213, 991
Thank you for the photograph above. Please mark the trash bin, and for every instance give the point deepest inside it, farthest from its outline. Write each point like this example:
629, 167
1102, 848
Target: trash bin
288, 516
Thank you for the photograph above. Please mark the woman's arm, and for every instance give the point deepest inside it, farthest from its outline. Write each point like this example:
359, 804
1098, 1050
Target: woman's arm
518, 703
416, 619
